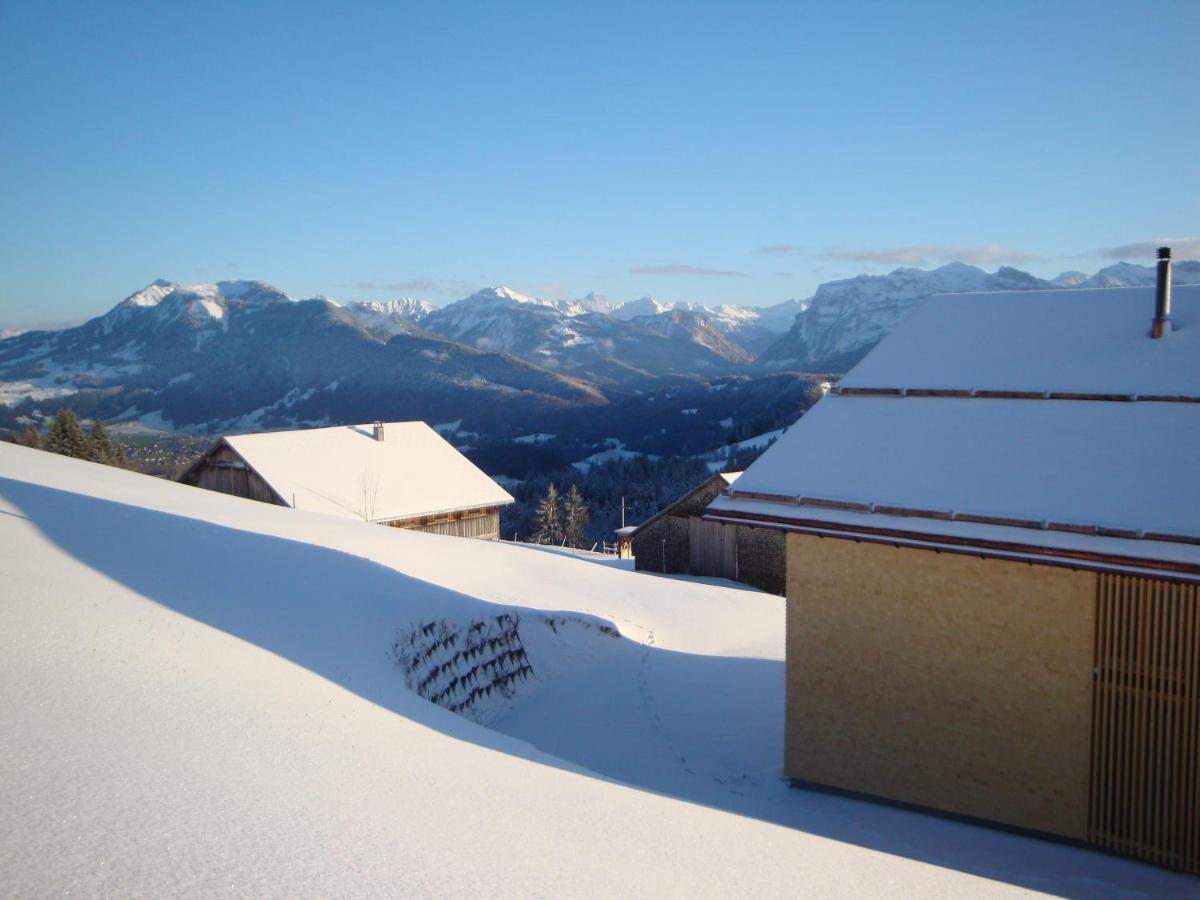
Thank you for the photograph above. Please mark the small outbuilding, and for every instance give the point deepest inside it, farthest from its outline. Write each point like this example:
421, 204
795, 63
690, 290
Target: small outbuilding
624, 545
402, 474
993, 567
677, 540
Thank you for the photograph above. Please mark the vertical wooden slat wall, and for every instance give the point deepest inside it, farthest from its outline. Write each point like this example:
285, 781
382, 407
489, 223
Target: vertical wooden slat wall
471, 524
712, 549
1145, 766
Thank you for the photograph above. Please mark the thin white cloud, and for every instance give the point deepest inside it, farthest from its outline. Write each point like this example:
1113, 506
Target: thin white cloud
409, 286
780, 250
414, 284
1180, 248
684, 269
918, 254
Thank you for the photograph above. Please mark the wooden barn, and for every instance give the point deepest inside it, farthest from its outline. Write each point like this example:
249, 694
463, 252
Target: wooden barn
402, 474
993, 567
677, 540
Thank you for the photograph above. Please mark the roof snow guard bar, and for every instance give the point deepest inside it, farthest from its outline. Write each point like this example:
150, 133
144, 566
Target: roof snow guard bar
883, 509
1010, 395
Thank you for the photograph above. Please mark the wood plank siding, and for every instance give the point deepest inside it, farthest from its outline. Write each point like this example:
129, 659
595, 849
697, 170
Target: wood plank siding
678, 540
472, 523
713, 549
1145, 766
224, 471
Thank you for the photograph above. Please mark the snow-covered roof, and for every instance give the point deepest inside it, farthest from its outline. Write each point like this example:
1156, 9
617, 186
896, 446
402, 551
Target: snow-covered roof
1093, 341
344, 471
1100, 468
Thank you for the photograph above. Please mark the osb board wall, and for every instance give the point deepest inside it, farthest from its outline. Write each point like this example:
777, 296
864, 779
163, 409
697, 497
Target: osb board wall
940, 679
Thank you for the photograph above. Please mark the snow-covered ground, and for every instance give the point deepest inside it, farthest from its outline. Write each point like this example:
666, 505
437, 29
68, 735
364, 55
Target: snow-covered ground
538, 438
717, 459
200, 697
604, 456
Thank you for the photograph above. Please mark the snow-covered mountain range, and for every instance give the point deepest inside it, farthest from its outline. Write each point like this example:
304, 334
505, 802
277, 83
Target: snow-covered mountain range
626, 347
752, 327
846, 318
388, 317
242, 354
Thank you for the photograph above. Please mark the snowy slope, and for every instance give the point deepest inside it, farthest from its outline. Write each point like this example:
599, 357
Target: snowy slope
643, 306
580, 339
175, 726
1125, 274
390, 317
752, 327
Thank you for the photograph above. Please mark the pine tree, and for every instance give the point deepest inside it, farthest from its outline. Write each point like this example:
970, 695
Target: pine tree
28, 438
575, 517
549, 518
66, 437
101, 449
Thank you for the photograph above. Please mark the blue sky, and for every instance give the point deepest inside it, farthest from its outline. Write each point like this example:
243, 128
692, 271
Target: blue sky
716, 152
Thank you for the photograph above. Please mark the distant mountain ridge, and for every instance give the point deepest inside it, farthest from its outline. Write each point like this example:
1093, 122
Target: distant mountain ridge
241, 355
388, 317
846, 318
582, 338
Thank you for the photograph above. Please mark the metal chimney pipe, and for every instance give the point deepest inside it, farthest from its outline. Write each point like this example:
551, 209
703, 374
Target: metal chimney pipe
1162, 295
379, 431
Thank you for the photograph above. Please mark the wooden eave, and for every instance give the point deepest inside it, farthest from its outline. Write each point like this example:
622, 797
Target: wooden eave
1053, 556
674, 503
481, 509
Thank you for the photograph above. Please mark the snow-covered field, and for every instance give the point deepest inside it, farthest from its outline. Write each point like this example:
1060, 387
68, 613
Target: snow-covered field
200, 697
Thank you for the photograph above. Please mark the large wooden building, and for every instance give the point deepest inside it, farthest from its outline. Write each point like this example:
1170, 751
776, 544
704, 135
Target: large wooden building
677, 540
402, 474
993, 568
